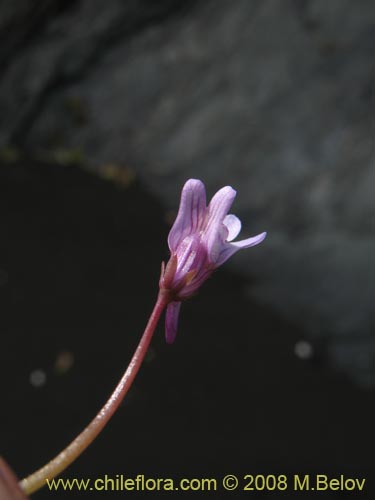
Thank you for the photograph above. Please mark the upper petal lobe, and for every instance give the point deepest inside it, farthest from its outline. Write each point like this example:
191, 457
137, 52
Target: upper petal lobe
215, 231
191, 213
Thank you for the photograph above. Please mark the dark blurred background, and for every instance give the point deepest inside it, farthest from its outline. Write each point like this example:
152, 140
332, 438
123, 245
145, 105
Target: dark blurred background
106, 108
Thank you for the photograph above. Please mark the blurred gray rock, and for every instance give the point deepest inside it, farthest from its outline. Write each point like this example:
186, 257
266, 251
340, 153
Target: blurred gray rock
272, 97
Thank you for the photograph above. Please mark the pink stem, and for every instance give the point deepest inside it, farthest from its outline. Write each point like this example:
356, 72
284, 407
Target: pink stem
38, 479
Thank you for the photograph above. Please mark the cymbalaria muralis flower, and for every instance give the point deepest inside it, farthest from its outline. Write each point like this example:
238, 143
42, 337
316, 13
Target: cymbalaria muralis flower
201, 239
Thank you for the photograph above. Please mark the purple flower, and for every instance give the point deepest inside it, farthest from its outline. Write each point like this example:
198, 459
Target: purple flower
201, 239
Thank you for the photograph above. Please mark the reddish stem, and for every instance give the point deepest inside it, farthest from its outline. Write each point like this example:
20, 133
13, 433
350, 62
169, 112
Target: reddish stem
38, 479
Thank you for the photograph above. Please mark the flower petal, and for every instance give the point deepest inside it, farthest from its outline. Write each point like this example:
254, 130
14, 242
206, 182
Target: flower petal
220, 205
250, 242
171, 321
191, 212
215, 232
233, 225
231, 248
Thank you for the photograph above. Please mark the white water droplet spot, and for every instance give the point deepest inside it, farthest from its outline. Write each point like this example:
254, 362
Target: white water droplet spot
303, 349
37, 378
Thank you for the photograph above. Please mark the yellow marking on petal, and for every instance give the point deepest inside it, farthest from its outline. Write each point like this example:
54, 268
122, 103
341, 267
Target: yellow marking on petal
190, 276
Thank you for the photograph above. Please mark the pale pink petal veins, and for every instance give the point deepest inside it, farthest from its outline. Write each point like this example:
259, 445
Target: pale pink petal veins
171, 321
191, 213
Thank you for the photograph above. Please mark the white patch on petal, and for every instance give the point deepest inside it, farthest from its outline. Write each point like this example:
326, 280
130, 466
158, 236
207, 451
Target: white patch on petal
233, 225
217, 211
